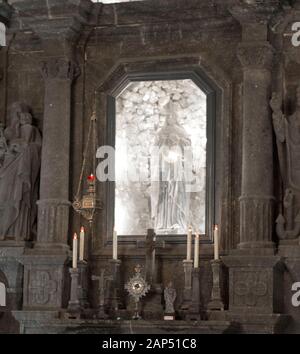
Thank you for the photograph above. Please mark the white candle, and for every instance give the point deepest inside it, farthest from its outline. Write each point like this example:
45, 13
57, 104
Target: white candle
216, 242
81, 244
75, 246
196, 251
115, 245
189, 244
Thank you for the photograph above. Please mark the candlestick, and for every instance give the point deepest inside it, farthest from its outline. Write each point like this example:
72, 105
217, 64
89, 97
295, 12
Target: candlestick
216, 302
75, 246
115, 245
81, 244
189, 244
196, 251
187, 291
216, 242
193, 313
74, 305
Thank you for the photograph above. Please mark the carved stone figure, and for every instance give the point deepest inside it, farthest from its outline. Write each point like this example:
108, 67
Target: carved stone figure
20, 147
287, 131
170, 297
169, 198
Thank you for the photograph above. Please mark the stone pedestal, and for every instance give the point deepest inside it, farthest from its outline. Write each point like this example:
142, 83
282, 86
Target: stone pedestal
83, 281
216, 302
289, 248
45, 284
193, 313
187, 290
115, 300
74, 304
255, 284
255, 293
151, 304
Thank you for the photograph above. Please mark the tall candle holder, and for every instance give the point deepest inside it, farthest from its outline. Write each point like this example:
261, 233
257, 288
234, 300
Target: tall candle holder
115, 285
74, 304
83, 284
194, 308
102, 283
216, 303
187, 291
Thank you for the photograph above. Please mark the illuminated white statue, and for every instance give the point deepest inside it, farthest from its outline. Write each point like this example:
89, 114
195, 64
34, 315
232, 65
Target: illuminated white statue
169, 170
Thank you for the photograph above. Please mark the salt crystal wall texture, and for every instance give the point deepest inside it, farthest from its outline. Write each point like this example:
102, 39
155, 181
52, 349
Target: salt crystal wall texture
140, 114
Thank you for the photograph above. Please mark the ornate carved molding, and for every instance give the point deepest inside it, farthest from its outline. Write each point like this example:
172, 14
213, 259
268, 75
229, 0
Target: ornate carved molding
58, 19
256, 55
59, 69
42, 287
250, 289
255, 283
43, 281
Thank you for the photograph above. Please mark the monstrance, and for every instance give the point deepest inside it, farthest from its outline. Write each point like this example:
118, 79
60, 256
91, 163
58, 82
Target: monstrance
137, 288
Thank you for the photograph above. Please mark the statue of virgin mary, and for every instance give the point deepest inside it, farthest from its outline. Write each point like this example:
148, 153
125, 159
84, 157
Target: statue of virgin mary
169, 196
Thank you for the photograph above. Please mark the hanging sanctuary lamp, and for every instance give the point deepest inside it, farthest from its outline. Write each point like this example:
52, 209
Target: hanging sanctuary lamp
87, 204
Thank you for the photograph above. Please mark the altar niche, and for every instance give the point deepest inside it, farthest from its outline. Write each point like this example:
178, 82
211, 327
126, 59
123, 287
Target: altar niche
164, 157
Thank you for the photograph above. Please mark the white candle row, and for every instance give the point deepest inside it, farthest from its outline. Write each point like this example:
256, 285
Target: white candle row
81, 247
197, 245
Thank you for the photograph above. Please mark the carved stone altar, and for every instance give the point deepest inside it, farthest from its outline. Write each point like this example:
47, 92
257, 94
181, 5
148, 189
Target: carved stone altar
115, 45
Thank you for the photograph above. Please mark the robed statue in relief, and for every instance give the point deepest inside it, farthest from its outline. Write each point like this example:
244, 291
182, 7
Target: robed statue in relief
169, 176
287, 131
20, 149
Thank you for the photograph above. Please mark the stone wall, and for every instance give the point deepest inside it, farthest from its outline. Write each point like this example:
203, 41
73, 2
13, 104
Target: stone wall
111, 42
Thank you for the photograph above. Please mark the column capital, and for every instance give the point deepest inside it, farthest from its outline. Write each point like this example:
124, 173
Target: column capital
59, 69
255, 55
58, 23
254, 11
254, 17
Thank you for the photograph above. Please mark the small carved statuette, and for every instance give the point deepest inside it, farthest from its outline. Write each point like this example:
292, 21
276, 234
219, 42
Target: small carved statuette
170, 297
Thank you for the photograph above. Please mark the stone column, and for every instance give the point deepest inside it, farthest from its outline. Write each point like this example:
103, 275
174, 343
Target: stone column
45, 266
53, 206
256, 201
255, 273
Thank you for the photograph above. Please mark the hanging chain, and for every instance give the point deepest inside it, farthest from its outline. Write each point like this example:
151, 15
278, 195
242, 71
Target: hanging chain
92, 125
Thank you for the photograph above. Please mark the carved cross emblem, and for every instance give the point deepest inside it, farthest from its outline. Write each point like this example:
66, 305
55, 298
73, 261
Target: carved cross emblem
251, 289
42, 287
